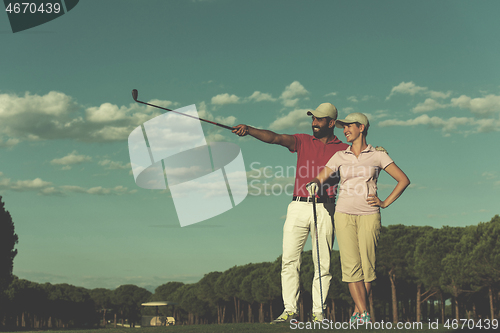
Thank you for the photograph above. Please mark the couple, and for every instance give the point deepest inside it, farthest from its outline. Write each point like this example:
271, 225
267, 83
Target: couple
329, 162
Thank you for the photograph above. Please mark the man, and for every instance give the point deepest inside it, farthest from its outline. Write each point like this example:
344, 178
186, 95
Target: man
313, 152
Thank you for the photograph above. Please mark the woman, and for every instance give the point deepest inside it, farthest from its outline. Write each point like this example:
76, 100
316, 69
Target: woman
357, 213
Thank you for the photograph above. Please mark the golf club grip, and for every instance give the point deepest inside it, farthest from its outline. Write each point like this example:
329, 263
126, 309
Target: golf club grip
187, 115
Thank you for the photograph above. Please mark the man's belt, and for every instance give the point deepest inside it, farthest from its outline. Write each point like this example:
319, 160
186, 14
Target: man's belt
318, 200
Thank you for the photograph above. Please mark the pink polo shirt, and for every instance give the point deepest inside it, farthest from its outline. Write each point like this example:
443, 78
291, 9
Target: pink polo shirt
358, 178
312, 155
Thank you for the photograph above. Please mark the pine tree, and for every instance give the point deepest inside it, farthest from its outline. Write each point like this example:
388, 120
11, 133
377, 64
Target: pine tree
8, 239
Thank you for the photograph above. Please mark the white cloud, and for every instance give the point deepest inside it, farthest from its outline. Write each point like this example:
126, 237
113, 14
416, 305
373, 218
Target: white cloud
409, 88
347, 110
429, 105
9, 143
423, 120
223, 99
374, 116
52, 104
257, 96
106, 112
487, 125
97, 190
469, 125
297, 118
113, 165
71, 159
43, 187
290, 96
29, 185
205, 114
489, 175
334, 93
56, 116
438, 94
50, 191
352, 99
481, 107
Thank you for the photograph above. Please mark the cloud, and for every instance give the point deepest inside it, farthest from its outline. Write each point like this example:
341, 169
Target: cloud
28, 185
257, 96
290, 96
297, 118
480, 107
448, 125
438, 94
43, 187
224, 99
352, 99
106, 112
426, 120
429, 105
9, 143
334, 93
71, 159
56, 116
113, 165
347, 110
374, 116
489, 175
484, 117
205, 114
409, 88
97, 190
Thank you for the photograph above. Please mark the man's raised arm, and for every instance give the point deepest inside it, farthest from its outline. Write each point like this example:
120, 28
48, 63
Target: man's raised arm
284, 140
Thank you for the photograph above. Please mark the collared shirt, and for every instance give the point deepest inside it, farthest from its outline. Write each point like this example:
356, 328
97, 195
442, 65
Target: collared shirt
358, 178
312, 155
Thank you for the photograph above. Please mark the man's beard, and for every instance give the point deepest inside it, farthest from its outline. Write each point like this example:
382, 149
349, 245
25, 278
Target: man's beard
321, 133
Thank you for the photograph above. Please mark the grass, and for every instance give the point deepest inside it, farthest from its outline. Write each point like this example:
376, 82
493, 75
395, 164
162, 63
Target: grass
226, 328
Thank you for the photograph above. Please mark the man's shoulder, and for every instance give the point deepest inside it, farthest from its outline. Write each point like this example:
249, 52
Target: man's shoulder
337, 144
303, 136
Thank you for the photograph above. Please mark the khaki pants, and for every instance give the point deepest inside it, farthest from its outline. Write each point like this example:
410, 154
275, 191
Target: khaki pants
299, 222
357, 237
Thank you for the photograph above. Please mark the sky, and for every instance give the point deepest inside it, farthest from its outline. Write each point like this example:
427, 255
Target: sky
426, 73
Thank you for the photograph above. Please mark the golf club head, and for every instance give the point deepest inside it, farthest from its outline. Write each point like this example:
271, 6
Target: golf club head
135, 94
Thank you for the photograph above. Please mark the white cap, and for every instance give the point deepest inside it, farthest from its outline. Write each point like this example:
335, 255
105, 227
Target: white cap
355, 117
324, 110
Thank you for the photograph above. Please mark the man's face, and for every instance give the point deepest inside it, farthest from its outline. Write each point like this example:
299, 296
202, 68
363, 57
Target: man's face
321, 126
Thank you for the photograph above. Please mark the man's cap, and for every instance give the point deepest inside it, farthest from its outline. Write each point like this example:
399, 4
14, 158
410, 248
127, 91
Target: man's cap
355, 117
324, 110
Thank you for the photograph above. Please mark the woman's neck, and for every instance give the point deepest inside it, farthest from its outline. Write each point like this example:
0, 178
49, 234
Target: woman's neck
358, 145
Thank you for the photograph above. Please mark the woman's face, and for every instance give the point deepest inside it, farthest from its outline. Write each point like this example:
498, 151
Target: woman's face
352, 131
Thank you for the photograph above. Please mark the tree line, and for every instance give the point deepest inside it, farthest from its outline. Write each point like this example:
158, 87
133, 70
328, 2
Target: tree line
423, 273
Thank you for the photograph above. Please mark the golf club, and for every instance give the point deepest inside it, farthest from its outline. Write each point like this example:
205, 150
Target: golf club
317, 247
135, 94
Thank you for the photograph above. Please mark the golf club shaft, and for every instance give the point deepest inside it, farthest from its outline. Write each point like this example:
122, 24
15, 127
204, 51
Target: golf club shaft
135, 94
317, 249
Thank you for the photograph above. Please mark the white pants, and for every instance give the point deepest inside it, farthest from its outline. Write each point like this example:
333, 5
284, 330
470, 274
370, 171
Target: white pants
299, 222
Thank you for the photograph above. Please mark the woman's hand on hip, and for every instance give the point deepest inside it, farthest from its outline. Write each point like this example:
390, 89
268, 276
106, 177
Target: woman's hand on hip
374, 201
